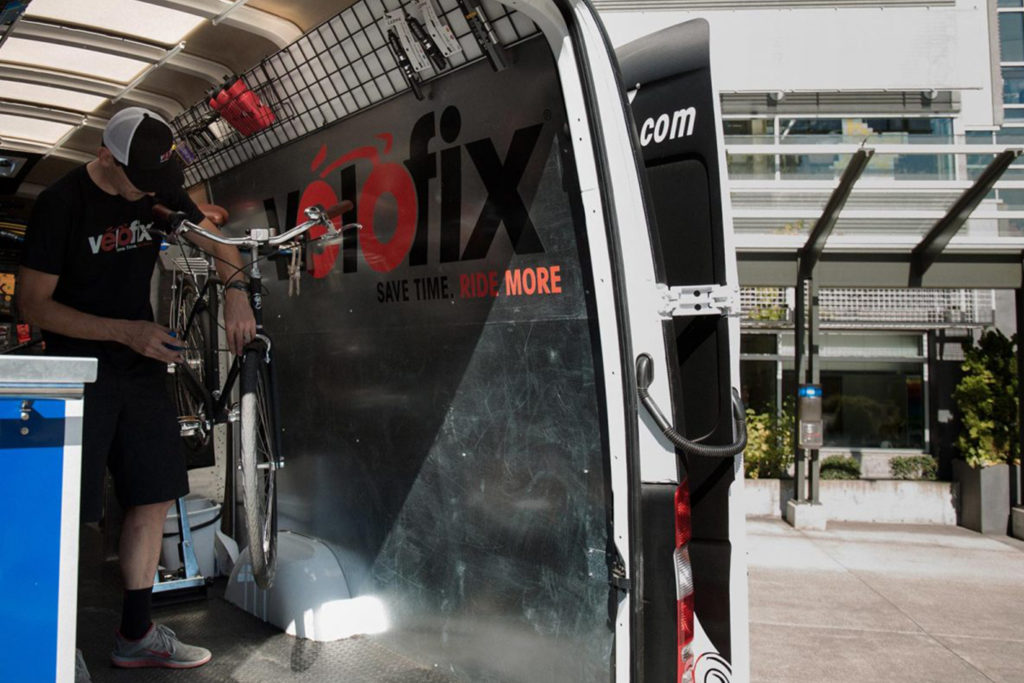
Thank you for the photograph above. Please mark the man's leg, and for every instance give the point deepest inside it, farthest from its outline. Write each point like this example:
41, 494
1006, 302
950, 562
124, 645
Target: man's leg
149, 466
141, 538
139, 642
142, 533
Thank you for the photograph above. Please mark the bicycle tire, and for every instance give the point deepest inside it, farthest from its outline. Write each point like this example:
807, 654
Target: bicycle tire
258, 449
195, 320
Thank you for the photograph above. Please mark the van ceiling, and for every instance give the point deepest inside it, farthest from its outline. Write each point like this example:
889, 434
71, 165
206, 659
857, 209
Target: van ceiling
66, 66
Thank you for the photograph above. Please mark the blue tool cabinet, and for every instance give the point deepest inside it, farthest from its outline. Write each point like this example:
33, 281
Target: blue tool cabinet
41, 406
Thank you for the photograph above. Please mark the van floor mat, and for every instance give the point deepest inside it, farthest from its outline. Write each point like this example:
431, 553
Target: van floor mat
244, 648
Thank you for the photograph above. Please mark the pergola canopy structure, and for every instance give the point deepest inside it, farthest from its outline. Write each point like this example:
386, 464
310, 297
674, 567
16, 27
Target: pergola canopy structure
925, 262
940, 258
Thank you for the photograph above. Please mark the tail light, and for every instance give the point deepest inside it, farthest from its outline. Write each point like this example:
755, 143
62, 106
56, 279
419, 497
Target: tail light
684, 585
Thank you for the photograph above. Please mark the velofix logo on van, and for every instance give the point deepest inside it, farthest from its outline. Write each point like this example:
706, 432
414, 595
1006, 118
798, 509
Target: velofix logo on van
673, 126
392, 200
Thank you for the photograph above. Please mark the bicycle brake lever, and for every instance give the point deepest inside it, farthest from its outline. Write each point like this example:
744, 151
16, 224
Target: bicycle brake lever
166, 238
173, 218
329, 239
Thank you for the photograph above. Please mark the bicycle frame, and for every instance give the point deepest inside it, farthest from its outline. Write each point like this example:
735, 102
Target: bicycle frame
216, 402
259, 437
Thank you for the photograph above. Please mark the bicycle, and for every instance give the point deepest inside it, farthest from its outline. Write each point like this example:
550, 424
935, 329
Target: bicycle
203, 403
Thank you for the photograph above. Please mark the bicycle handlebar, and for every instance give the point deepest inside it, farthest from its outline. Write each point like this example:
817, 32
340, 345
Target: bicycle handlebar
316, 214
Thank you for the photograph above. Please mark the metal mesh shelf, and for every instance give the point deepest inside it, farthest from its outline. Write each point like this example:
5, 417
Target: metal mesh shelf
342, 67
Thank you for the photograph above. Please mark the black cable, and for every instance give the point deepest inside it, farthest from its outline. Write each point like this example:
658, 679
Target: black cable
644, 377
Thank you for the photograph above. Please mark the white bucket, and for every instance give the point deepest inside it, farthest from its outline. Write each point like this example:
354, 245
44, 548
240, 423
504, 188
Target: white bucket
203, 518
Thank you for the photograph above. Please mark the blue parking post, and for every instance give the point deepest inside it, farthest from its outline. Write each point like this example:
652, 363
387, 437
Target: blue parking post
41, 408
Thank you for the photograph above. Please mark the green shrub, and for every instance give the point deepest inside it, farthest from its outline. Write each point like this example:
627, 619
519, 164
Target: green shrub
769, 451
913, 467
986, 398
840, 467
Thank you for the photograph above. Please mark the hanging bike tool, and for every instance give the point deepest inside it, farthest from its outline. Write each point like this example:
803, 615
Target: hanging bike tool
441, 32
403, 62
429, 46
484, 35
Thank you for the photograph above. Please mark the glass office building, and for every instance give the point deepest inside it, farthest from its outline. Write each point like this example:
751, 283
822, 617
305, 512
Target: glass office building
936, 90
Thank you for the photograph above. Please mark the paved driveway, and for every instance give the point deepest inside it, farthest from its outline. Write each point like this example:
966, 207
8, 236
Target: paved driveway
878, 602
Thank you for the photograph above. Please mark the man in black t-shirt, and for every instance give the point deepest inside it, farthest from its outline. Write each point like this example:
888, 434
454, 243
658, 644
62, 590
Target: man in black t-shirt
85, 281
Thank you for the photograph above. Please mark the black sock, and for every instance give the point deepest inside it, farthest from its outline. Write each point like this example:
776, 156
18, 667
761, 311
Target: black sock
135, 613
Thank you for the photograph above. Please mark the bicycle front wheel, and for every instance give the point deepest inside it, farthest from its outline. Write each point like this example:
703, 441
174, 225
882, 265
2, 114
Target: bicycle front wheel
258, 432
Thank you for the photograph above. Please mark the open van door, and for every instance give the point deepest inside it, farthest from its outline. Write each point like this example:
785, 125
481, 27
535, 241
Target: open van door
460, 409
678, 126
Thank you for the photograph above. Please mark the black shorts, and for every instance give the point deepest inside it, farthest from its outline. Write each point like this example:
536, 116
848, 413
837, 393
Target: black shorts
131, 428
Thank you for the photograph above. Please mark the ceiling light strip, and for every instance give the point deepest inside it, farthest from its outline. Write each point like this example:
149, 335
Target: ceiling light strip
148, 70
42, 113
279, 31
78, 60
121, 47
64, 138
220, 17
46, 96
52, 78
88, 39
162, 104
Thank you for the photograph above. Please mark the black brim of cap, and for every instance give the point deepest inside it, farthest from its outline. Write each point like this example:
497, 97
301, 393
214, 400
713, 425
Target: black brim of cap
165, 178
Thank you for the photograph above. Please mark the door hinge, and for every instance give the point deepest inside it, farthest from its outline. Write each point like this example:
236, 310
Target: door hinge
618, 579
684, 301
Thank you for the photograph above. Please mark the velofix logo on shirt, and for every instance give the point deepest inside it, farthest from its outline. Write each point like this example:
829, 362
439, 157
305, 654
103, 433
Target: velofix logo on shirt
121, 237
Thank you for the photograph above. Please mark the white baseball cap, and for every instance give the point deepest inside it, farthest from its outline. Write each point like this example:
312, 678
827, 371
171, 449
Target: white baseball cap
143, 144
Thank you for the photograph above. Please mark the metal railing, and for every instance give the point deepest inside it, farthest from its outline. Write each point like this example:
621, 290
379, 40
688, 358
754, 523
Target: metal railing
773, 306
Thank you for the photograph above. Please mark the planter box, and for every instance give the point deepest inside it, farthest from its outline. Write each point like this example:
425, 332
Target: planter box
892, 502
983, 497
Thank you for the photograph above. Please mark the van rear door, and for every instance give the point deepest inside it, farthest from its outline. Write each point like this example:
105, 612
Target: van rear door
678, 127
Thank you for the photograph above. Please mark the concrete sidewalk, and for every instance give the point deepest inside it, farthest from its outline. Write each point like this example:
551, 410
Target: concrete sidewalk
876, 602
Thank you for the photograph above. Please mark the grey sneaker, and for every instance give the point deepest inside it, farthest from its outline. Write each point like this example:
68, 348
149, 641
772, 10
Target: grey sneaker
159, 647
81, 670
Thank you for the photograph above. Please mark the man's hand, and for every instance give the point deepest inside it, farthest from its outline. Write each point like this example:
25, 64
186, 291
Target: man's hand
238, 320
36, 304
151, 340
